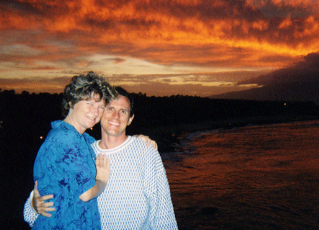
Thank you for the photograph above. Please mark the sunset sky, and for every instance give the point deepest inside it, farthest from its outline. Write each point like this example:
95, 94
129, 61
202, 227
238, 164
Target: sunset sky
157, 47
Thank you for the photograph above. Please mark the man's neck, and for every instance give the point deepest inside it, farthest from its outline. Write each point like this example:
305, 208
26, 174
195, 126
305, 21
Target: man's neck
110, 142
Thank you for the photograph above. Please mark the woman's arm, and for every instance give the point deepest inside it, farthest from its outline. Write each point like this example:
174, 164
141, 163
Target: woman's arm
102, 164
147, 140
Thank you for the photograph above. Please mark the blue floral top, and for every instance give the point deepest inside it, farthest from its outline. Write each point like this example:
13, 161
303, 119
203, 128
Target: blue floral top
65, 167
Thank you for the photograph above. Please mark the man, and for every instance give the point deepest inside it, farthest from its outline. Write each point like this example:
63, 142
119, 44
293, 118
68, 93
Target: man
137, 195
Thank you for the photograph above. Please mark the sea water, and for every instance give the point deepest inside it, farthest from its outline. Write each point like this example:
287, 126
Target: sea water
256, 177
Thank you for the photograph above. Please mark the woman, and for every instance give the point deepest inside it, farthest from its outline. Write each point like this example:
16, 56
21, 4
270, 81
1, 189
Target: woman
64, 165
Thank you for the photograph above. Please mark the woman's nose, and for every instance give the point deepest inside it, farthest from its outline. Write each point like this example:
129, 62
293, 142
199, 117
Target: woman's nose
95, 111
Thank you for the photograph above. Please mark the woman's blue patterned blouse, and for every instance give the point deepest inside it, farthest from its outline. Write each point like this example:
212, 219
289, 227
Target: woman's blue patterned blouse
65, 167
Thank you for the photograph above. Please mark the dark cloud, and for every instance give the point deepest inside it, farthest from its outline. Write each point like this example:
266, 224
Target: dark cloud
18, 6
299, 82
303, 71
273, 10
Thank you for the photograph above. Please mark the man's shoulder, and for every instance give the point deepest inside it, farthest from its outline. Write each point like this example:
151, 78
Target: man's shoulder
144, 151
94, 145
141, 144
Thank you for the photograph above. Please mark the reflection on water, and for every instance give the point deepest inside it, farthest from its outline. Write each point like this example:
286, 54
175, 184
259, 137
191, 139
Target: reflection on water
258, 177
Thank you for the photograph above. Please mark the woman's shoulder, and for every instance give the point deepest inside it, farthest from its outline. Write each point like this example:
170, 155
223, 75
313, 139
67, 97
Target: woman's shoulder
62, 132
89, 138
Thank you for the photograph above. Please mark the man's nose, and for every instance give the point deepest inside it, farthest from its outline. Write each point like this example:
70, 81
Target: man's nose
116, 114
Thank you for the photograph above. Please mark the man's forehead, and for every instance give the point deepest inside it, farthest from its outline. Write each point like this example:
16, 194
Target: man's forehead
120, 100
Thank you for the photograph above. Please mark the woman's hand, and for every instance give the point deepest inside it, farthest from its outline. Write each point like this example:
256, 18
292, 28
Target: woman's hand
103, 170
102, 164
147, 140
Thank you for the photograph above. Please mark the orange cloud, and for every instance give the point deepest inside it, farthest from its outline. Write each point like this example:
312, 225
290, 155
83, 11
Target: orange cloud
45, 34
145, 23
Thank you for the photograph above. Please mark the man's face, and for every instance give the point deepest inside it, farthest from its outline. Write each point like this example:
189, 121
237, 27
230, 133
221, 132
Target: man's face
116, 117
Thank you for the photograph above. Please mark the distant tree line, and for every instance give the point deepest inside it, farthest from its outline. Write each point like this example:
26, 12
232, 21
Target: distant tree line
27, 112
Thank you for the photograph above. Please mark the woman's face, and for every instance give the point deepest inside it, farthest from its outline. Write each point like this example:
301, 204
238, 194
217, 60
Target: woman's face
86, 113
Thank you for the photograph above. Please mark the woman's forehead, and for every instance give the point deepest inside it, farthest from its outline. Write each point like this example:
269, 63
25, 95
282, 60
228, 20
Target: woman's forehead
93, 96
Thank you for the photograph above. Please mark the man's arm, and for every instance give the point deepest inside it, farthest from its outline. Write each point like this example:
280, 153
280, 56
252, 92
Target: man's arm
36, 205
29, 214
162, 214
165, 216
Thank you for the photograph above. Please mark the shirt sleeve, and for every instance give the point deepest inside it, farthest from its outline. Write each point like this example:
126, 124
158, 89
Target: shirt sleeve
162, 214
29, 213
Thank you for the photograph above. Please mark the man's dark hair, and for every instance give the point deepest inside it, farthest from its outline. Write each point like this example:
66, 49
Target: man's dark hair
123, 92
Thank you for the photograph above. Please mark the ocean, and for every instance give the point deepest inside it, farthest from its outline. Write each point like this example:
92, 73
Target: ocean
254, 177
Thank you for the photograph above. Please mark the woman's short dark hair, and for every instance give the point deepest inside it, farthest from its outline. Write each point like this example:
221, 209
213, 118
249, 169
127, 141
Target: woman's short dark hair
82, 87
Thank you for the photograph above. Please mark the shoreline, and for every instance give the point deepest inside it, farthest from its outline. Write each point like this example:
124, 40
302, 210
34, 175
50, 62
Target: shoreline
168, 137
